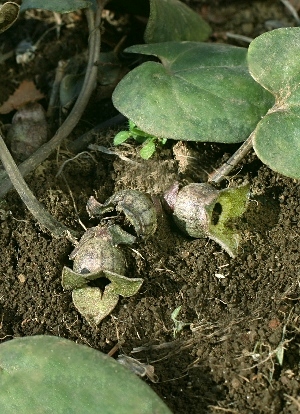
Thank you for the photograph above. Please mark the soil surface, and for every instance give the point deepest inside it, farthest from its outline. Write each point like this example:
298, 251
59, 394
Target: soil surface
239, 349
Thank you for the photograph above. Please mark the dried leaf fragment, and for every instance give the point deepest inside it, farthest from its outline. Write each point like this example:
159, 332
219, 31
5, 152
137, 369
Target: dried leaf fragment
26, 92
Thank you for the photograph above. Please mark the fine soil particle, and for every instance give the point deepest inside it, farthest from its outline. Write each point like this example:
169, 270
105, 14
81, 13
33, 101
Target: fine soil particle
239, 349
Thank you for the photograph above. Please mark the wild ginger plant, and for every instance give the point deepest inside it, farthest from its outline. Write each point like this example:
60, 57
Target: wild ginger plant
221, 93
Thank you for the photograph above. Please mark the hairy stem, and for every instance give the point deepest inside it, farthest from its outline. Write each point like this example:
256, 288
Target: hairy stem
66, 128
222, 172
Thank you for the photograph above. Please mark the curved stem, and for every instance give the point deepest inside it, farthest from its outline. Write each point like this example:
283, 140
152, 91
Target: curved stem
15, 174
221, 173
34, 206
66, 128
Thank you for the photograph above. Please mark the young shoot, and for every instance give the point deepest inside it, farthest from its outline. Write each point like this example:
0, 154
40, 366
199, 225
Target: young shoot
178, 325
149, 142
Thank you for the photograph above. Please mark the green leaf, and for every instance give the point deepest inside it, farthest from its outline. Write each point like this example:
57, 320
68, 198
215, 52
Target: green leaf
59, 6
273, 61
139, 135
148, 149
171, 20
48, 374
200, 92
277, 142
121, 137
9, 13
178, 325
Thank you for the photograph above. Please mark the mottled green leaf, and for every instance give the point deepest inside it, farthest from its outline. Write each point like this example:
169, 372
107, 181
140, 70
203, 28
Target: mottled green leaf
273, 61
200, 92
172, 20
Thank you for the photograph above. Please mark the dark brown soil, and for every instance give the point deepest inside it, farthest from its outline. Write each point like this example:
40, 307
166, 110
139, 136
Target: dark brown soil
242, 314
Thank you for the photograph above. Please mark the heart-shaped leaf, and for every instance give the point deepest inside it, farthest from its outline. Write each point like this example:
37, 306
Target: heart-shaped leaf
9, 13
59, 6
200, 92
93, 304
274, 63
182, 23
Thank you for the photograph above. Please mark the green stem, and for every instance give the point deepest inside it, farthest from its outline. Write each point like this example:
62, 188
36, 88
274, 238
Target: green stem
66, 128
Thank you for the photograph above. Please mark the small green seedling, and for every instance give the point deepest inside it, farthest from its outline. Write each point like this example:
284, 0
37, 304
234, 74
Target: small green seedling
148, 141
178, 325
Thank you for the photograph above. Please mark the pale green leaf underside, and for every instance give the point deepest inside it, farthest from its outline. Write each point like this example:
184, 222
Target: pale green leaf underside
182, 23
274, 62
200, 92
